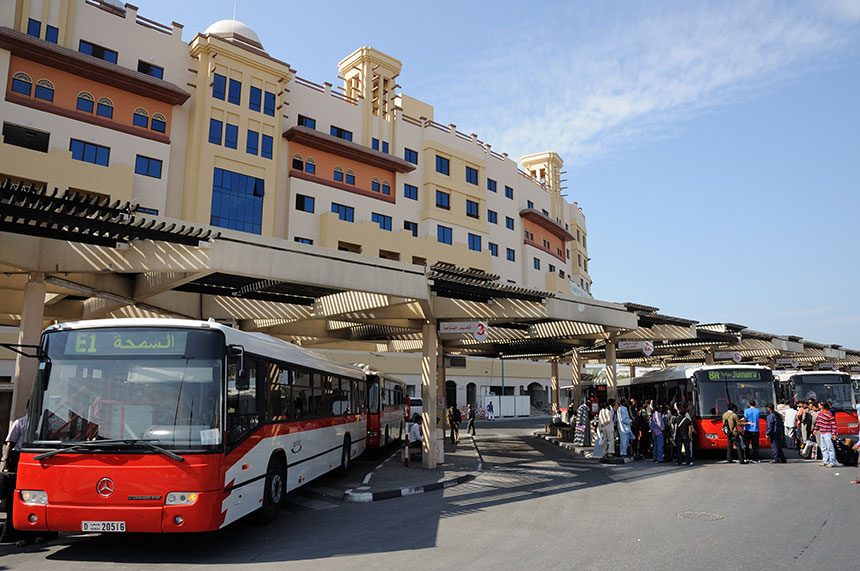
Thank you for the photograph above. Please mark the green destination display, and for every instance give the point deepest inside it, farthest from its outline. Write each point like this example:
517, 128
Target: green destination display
734, 375
117, 342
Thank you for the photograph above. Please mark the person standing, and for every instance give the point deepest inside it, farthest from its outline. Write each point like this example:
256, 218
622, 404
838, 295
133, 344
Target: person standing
789, 418
9, 467
812, 408
490, 412
624, 426
751, 431
470, 416
454, 419
606, 428
683, 436
731, 427
775, 431
657, 434
825, 428
582, 432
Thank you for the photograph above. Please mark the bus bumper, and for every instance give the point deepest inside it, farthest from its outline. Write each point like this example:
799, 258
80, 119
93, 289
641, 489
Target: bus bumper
204, 515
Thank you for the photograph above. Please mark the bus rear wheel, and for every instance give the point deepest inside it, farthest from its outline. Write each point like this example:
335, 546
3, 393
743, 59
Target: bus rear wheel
345, 455
273, 492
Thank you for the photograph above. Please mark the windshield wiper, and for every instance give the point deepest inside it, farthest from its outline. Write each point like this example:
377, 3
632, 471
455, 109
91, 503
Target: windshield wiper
89, 444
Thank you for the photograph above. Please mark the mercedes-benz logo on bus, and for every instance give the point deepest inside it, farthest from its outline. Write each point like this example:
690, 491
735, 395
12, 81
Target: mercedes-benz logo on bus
105, 487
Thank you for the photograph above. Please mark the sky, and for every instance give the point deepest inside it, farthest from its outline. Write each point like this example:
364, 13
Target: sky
713, 146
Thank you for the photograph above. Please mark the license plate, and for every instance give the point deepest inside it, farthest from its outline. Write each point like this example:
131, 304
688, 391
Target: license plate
103, 526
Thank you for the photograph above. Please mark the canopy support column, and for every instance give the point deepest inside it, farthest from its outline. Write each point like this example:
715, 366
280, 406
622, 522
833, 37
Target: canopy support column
428, 392
576, 378
553, 384
32, 314
611, 383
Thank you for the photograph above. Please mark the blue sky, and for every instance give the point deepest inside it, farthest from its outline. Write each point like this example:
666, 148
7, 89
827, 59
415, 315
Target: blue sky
714, 147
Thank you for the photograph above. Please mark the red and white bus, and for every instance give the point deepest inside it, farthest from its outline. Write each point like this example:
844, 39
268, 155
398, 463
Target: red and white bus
709, 390
387, 408
832, 386
160, 425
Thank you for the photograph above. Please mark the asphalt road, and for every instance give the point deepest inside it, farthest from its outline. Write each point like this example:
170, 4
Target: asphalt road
536, 506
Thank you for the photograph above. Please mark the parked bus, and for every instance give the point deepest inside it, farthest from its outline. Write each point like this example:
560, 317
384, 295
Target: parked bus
387, 408
162, 425
709, 390
832, 386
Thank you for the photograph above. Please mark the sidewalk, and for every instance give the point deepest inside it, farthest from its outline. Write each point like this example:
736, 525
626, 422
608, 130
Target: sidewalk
390, 479
584, 451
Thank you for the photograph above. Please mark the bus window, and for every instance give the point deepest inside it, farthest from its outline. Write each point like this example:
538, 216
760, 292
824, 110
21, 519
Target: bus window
325, 402
359, 397
242, 416
373, 398
279, 400
341, 401
302, 394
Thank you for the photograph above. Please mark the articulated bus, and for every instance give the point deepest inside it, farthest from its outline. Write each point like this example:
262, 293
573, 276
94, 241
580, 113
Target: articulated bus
832, 386
387, 408
164, 425
709, 390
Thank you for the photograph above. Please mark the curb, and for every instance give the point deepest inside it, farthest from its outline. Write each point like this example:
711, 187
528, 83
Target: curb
584, 452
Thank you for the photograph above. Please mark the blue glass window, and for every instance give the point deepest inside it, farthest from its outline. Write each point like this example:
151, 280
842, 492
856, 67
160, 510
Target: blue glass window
536, 263
305, 203
310, 166
237, 201
444, 234
509, 223
492, 217
494, 249
34, 28
44, 90
150, 69
158, 123
255, 99
411, 227
509, 192
231, 136
341, 133
98, 51
252, 143
443, 165
381, 219
52, 34
308, 122
443, 200
386, 189
551, 269
89, 152
307, 241
269, 104
410, 191
338, 174
234, 93
219, 86
410, 156
266, 147
216, 129
374, 185
85, 103
374, 143
298, 163
384, 146
350, 178
472, 175
472, 209
139, 119
530, 204
345, 213
147, 166
21, 83
491, 185
510, 255
104, 108
474, 242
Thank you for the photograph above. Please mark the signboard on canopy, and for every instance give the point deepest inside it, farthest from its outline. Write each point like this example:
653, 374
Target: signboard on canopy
825, 366
734, 356
787, 362
477, 329
647, 347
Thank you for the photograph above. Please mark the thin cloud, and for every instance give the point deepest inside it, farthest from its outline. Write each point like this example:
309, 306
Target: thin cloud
586, 91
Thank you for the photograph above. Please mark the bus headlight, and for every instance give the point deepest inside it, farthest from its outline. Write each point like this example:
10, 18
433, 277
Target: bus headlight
711, 436
34, 497
181, 498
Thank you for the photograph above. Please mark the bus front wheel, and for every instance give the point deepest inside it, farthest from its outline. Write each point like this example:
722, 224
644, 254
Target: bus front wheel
274, 491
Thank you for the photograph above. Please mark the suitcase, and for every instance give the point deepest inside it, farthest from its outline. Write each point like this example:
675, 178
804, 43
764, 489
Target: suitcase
806, 451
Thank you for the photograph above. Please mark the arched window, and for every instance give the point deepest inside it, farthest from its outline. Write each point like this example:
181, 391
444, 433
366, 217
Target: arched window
105, 108
159, 123
386, 188
338, 174
350, 177
298, 163
310, 166
374, 184
140, 118
44, 90
21, 83
86, 103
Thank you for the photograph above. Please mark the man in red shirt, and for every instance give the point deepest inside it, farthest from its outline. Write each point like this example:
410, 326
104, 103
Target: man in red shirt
825, 429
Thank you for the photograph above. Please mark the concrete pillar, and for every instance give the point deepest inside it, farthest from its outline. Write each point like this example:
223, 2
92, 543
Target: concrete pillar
32, 313
632, 371
428, 392
576, 377
611, 383
553, 385
441, 397
709, 357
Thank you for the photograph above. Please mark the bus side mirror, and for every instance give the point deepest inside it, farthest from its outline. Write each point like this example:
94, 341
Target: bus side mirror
237, 352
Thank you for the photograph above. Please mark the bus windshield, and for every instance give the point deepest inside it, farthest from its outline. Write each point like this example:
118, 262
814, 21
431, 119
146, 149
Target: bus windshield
160, 385
716, 391
833, 388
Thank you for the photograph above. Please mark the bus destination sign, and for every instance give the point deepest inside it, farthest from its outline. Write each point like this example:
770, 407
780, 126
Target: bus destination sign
126, 342
734, 375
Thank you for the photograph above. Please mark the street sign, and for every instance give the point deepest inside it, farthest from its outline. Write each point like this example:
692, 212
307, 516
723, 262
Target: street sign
477, 329
787, 362
825, 366
855, 369
647, 347
734, 356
